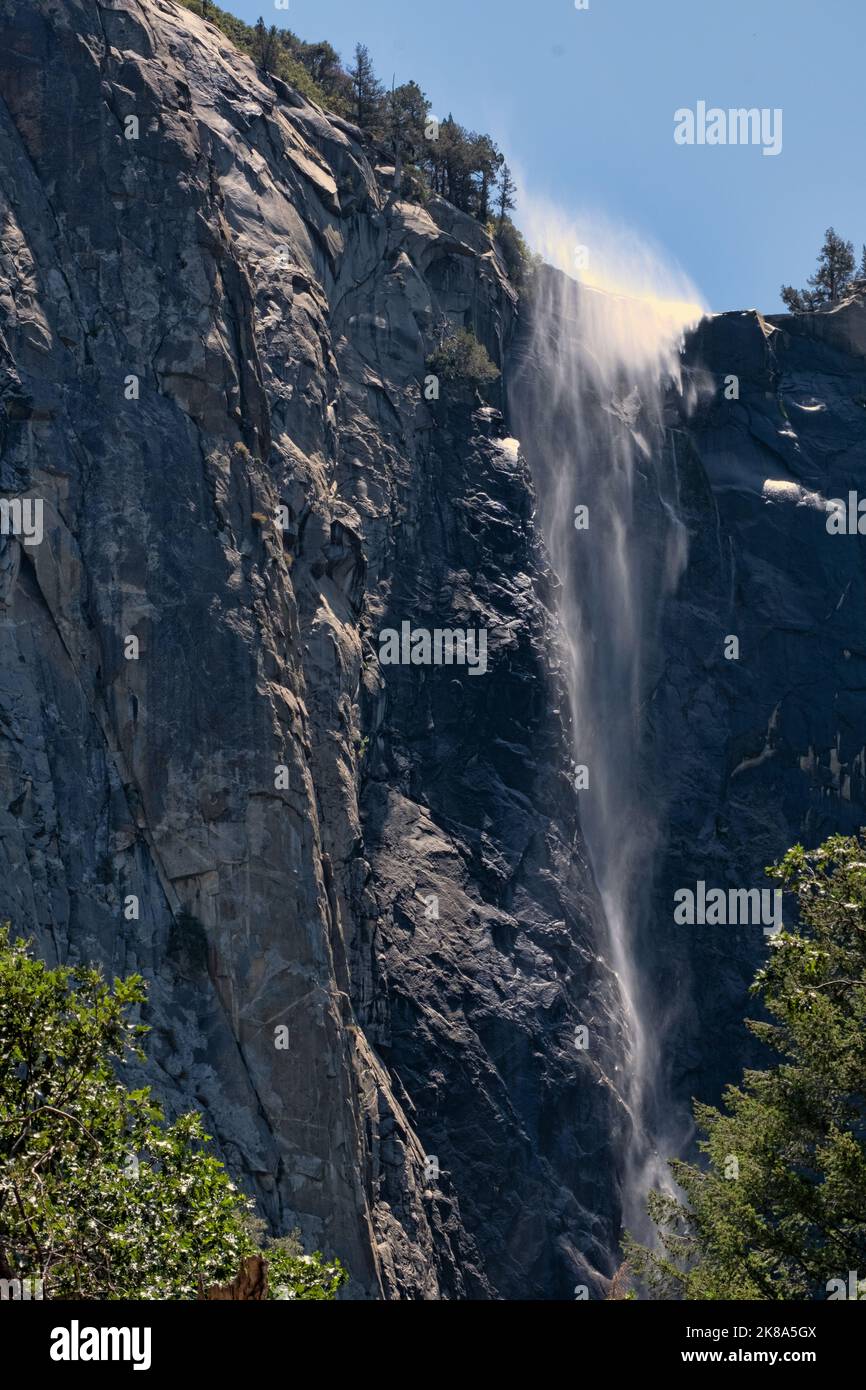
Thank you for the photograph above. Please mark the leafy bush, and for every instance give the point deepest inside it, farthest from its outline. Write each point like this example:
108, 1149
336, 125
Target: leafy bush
460, 357
100, 1198
780, 1211
520, 262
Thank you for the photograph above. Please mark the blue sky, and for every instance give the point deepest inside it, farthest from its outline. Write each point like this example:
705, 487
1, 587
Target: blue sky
583, 102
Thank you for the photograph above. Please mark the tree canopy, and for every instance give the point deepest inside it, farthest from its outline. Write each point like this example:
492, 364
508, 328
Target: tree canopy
779, 1209
460, 357
437, 157
832, 277
100, 1197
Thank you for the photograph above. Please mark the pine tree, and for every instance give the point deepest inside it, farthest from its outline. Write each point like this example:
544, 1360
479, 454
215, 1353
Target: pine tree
485, 162
406, 110
367, 90
832, 277
780, 1210
266, 45
322, 62
507, 190
259, 39
835, 267
798, 301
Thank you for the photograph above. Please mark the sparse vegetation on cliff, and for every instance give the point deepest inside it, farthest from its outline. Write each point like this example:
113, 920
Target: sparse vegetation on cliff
436, 157
460, 357
834, 275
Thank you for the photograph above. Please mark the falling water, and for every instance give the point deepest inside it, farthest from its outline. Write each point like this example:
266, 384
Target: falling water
588, 401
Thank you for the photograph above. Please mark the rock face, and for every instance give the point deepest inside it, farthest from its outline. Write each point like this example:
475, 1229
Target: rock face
746, 749
757, 753
356, 891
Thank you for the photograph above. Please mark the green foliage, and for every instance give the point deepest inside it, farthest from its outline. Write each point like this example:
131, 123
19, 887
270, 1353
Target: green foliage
520, 262
832, 277
367, 93
507, 190
314, 70
240, 34
460, 357
461, 165
780, 1209
292, 1275
100, 1197
311, 68
407, 111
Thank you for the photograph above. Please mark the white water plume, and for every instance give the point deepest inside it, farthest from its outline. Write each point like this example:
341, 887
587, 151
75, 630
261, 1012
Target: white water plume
588, 400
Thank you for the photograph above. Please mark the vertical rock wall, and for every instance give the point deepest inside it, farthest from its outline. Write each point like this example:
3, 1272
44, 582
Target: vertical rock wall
220, 309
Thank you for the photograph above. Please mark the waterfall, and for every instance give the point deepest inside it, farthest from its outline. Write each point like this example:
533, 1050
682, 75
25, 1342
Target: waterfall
587, 398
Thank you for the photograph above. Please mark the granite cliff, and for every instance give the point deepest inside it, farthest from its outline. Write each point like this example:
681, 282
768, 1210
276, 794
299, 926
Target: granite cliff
226, 316
758, 753
215, 314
